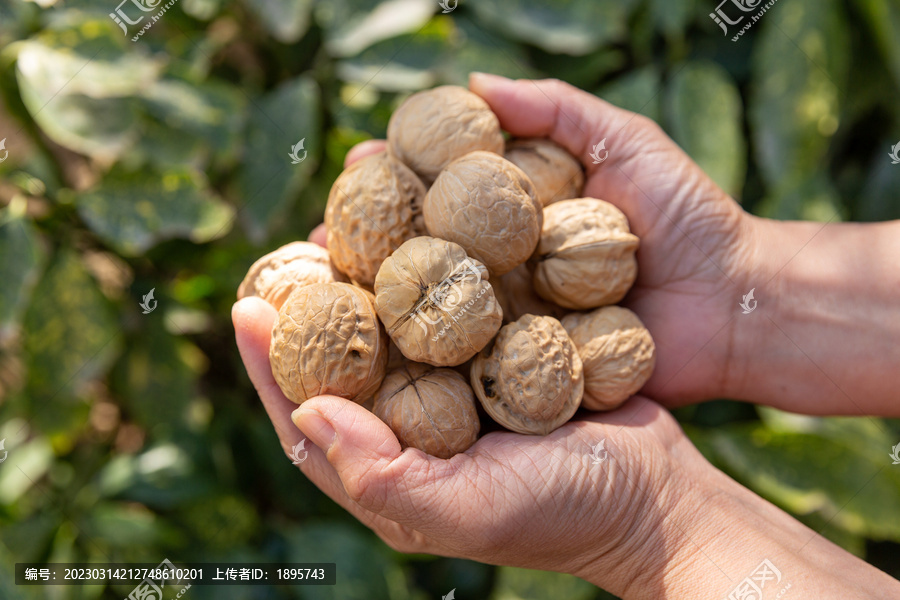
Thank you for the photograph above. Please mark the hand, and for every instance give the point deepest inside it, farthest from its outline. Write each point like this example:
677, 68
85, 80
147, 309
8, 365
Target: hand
511, 499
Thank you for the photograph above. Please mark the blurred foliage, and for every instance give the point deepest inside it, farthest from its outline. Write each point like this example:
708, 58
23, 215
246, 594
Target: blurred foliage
162, 163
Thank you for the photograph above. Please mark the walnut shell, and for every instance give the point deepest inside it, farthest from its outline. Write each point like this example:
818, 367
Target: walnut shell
556, 174
274, 276
435, 302
428, 408
374, 206
488, 206
434, 127
585, 258
532, 380
617, 351
328, 340
517, 296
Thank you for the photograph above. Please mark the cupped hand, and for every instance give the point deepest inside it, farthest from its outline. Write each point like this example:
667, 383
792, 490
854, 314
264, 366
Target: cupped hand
541, 502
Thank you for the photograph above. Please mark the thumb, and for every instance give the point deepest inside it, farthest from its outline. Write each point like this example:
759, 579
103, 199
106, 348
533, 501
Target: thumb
574, 119
364, 452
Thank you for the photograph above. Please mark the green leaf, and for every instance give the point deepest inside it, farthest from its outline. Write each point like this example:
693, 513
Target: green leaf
78, 84
475, 49
574, 27
134, 211
268, 182
639, 91
705, 117
883, 17
20, 267
799, 73
811, 199
672, 16
362, 565
73, 335
351, 26
527, 584
285, 20
879, 200
844, 483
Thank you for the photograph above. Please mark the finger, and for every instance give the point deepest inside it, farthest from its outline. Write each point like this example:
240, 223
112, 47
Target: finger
367, 457
364, 149
572, 118
319, 235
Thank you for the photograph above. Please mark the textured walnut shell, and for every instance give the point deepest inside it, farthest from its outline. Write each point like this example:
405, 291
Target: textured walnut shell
556, 174
617, 351
585, 258
274, 276
435, 302
488, 206
434, 127
327, 340
517, 297
531, 381
374, 206
428, 408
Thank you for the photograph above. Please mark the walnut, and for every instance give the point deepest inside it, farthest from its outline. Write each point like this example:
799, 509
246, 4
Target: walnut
585, 258
556, 174
327, 340
617, 351
488, 206
374, 206
436, 303
517, 296
434, 127
428, 408
274, 276
531, 381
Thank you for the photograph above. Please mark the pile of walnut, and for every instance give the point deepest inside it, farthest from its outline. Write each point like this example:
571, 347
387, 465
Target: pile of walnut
456, 268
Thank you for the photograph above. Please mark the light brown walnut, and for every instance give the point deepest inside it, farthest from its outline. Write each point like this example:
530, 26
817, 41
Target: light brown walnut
436, 303
617, 351
274, 276
586, 255
488, 206
434, 127
428, 408
374, 206
556, 174
531, 381
328, 340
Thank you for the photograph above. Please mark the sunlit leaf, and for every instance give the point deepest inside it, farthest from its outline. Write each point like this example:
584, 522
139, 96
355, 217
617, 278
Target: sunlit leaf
800, 65
285, 20
353, 25
19, 268
812, 199
72, 333
79, 83
567, 26
134, 211
268, 181
705, 117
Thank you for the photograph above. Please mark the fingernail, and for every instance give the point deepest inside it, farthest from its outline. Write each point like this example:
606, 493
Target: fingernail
486, 81
315, 427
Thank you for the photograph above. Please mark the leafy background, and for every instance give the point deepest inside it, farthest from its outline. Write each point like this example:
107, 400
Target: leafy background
163, 164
